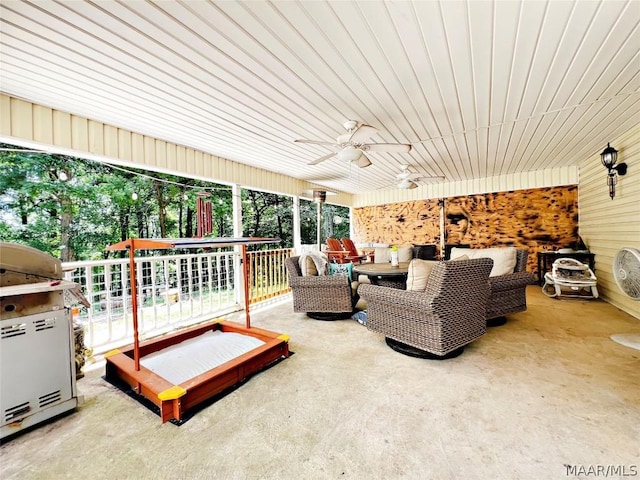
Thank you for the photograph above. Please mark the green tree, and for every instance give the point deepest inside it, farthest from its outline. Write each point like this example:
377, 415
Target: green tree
42, 195
334, 222
268, 215
74, 208
308, 222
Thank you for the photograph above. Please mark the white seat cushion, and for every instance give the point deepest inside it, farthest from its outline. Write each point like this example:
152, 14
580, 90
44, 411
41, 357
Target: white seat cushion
504, 258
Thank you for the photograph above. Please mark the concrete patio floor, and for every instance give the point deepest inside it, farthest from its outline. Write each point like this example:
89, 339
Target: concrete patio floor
547, 396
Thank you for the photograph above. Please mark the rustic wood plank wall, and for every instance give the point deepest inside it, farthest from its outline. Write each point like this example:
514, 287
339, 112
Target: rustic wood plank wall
536, 219
415, 222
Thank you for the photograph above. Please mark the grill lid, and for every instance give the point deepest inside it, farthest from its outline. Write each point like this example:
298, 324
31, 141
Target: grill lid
29, 262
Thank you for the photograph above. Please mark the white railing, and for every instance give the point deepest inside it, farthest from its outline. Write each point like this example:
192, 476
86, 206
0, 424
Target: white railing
174, 291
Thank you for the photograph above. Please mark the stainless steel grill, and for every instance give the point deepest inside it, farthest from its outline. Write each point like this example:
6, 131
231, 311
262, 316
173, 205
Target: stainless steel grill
37, 360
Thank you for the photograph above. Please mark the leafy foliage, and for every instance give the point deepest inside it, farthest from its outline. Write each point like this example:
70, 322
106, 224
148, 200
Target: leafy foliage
73, 208
267, 215
334, 222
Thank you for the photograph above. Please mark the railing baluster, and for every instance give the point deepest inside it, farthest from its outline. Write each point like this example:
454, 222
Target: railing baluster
154, 303
200, 283
88, 276
108, 305
166, 275
190, 284
108, 324
139, 290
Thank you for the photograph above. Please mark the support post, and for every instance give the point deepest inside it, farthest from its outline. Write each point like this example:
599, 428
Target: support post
134, 303
319, 224
238, 281
297, 237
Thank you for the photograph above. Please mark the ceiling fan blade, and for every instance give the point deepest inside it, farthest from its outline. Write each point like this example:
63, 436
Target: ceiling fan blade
316, 142
363, 161
321, 159
387, 147
363, 132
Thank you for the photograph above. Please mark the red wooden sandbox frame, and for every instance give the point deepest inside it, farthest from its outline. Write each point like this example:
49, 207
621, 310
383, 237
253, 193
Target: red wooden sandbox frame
173, 400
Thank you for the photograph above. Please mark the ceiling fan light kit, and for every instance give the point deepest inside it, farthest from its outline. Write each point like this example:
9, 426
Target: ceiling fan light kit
363, 161
407, 184
351, 145
349, 154
407, 180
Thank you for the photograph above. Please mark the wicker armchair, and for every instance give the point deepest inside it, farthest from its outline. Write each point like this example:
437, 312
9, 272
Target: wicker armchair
438, 322
324, 297
508, 292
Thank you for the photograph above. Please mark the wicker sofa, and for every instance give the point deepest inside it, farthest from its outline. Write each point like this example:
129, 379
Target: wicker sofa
323, 297
508, 292
438, 322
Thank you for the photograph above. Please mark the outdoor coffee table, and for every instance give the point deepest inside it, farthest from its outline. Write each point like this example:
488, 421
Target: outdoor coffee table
384, 274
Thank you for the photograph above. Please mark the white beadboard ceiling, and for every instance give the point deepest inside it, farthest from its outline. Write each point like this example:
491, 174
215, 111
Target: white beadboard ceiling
478, 88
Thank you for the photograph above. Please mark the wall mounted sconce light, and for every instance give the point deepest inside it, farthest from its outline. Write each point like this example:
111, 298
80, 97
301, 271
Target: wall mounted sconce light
609, 158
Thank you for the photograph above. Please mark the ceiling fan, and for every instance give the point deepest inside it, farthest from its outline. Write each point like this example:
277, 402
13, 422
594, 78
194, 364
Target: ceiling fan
407, 180
352, 145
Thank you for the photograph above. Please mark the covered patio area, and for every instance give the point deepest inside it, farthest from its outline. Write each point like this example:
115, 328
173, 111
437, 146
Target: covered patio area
547, 395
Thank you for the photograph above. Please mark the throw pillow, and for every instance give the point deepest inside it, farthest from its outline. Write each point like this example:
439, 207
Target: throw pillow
341, 269
383, 254
458, 252
405, 253
418, 274
504, 258
308, 262
311, 267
